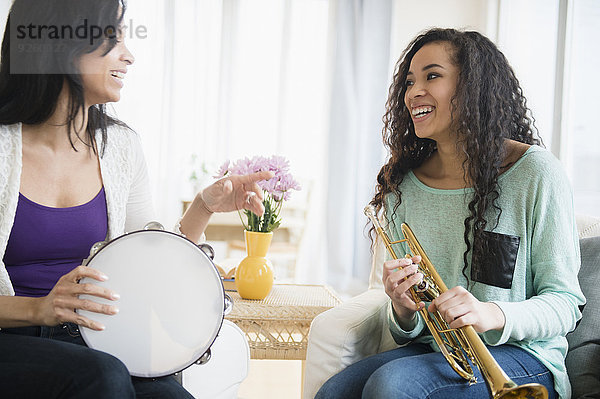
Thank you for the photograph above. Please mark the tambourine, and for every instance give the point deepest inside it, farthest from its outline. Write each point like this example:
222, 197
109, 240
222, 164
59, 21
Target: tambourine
172, 301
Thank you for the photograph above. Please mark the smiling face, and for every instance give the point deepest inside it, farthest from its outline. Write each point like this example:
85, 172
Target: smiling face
102, 75
430, 86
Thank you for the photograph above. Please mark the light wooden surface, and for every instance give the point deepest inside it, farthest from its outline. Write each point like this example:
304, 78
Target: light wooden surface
272, 379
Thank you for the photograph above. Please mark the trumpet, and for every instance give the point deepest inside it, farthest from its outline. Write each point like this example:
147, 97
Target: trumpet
457, 345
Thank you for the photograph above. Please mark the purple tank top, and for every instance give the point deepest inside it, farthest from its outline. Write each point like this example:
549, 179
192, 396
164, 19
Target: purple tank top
46, 243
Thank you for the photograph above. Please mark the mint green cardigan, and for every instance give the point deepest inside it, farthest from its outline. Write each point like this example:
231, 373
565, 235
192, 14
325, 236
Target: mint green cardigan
541, 306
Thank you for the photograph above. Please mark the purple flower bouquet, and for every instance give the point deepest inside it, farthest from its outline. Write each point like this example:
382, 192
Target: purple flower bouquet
276, 190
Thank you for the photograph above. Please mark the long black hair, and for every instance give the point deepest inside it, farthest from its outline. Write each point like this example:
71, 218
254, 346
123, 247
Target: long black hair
43, 41
487, 108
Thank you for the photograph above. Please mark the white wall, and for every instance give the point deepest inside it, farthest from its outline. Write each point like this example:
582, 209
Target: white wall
4, 7
412, 17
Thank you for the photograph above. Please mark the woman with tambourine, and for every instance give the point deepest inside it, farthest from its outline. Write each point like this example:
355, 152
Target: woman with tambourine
493, 212
71, 176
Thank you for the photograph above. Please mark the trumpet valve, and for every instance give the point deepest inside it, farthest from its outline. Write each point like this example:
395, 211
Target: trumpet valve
422, 286
426, 290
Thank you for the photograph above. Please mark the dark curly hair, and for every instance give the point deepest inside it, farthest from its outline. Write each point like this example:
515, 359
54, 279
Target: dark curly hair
487, 108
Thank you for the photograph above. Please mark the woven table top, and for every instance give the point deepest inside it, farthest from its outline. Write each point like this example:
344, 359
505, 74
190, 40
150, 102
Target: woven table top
285, 301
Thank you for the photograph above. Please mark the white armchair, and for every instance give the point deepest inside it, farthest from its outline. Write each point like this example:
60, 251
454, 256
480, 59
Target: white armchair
356, 329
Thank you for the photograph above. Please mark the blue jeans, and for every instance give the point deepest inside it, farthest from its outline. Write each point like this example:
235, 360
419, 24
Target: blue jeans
417, 372
54, 362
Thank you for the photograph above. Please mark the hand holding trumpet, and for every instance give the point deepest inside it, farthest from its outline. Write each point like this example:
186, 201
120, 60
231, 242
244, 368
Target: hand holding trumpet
457, 306
460, 308
399, 275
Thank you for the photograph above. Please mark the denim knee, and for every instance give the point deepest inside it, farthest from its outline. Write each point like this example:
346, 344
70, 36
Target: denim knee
399, 380
108, 377
383, 385
329, 390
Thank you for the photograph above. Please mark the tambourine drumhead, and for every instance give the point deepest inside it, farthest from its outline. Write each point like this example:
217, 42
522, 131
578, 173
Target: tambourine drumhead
171, 306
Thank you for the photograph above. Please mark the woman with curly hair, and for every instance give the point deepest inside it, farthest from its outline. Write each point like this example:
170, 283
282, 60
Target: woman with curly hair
494, 212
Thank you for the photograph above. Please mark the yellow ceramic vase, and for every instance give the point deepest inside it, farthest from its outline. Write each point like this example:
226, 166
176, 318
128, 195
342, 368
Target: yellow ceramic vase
254, 275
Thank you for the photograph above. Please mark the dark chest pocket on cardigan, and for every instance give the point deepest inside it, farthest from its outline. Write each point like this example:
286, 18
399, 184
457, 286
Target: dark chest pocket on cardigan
496, 265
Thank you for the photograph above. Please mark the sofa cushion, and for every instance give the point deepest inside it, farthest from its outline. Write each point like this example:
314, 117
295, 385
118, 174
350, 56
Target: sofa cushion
587, 226
583, 358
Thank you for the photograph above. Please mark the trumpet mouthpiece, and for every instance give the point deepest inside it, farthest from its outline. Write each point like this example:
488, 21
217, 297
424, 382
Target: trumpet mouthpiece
369, 211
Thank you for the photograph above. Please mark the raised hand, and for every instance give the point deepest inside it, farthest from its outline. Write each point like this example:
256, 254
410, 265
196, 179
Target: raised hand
236, 193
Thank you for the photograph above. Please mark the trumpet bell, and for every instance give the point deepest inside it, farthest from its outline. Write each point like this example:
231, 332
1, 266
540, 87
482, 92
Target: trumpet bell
527, 391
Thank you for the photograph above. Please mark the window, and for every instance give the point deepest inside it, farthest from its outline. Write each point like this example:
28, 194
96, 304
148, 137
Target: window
551, 45
581, 105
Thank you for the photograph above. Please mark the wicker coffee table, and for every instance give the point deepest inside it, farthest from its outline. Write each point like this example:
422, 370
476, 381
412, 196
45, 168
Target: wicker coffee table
277, 326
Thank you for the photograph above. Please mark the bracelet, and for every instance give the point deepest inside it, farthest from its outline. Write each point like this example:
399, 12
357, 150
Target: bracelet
204, 203
177, 228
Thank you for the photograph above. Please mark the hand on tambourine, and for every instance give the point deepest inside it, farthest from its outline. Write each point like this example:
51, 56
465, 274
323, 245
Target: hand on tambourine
60, 304
234, 193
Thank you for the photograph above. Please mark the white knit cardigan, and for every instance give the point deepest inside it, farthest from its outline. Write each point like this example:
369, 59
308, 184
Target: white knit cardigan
124, 176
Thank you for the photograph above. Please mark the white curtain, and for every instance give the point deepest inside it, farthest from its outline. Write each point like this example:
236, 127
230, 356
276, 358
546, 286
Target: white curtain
225, 79
355, 151
171, 95
306, 79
